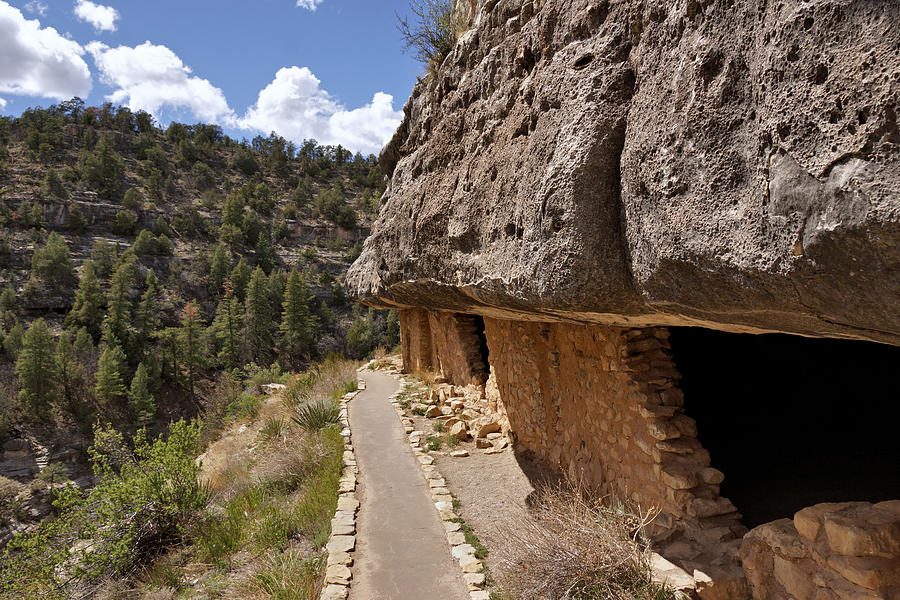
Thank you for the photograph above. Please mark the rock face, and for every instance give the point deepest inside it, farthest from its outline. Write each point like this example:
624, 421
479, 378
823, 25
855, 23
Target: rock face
649, 163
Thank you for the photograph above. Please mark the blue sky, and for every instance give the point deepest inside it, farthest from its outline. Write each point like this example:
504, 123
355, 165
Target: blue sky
329, 69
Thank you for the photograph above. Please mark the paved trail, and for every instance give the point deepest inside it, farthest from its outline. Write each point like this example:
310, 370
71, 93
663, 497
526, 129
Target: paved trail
401, 549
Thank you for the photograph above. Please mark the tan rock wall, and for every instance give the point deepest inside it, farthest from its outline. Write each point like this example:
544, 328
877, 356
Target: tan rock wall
457, 348
831, 551
602, 404
448, 343
415, 338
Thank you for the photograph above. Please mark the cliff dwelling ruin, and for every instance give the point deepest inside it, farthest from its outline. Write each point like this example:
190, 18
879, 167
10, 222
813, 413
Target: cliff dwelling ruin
665, 240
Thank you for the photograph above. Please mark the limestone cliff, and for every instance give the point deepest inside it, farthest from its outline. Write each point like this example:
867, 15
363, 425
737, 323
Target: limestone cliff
734, 165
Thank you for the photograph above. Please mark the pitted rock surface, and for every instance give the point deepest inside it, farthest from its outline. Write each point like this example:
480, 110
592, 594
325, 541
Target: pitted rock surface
637, 163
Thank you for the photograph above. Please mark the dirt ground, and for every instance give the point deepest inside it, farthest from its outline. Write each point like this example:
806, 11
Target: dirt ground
492, 488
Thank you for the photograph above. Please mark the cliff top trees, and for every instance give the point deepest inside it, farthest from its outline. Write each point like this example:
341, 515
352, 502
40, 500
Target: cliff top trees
104, 169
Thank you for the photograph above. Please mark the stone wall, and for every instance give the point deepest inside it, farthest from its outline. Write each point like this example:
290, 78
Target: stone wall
447, 343
457, 348
415, 338
602, 405
831, 551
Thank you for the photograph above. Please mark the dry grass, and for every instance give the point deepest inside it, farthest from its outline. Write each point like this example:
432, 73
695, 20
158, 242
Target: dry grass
273, 489
573, 547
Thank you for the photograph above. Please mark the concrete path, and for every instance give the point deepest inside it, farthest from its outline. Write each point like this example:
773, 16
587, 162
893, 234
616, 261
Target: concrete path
401, 548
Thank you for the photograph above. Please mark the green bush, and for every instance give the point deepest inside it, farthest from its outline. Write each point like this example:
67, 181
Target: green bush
126, 219
317, 414
433, 31
147, 497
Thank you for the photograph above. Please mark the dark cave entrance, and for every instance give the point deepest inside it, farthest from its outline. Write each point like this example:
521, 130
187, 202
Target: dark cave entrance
482, 347
793, 421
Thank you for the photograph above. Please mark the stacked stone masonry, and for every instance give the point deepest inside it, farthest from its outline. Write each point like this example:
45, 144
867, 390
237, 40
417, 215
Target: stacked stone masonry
602, 405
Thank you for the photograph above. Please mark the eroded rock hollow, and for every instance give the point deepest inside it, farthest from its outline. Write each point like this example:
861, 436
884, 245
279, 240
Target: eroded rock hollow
578, 176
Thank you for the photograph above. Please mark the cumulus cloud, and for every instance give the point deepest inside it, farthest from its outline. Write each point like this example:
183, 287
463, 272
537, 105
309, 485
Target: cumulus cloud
296, 107
103, 18
149, 77
2, 103
37, 61
309, 4
36, 6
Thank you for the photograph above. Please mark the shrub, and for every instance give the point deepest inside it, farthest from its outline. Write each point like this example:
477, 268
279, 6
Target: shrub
576, 547
126, 219
433, 31
146, 498
317, 414
133, 199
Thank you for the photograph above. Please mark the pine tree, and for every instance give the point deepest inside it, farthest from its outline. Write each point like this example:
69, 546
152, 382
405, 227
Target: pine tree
146, 317
84, 345
277, 283
240, 277
87, 310
53, 185
297, 322
36, 368
104, 169
258, 319
218, 269
265, 255
227, 327
109, 386
191, 338
141, 401
118, 311
69, 370
12, 343
53, 263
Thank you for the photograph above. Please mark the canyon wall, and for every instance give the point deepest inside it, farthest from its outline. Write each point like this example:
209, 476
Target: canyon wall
576, 176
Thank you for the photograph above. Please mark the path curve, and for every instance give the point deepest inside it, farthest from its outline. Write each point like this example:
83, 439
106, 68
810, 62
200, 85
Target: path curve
401, 548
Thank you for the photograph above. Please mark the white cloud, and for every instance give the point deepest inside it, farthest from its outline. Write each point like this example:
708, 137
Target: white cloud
294, 106
39, 62
36, 6
103, 18
150, 77
309, 4
2, 103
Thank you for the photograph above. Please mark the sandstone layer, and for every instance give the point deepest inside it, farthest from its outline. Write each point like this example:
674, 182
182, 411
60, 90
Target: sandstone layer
650, 163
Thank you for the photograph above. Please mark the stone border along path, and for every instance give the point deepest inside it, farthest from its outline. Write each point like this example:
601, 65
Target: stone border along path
343, 526
472, 568
401, 548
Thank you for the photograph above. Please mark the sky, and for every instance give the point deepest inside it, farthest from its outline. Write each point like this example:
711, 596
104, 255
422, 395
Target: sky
333, 70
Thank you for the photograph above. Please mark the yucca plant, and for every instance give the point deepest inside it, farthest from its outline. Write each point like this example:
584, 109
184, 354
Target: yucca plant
314, 415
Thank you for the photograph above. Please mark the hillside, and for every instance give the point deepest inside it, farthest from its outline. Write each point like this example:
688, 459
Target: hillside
145, 270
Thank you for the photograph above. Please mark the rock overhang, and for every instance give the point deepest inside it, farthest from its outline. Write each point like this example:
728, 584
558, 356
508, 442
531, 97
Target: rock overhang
642, 164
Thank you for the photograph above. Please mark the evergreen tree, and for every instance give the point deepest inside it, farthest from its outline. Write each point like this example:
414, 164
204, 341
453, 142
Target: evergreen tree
297, 322
218, 269
87, 310
227, 328
258, 320
118, 305
240, 277
233, 214
76, 221
147, 317
141, 401
69, 370
12, 343
52, 263
277, 283
104, 169
84, 345
191, 342
36, 368
53, 185
109, 386
265, 255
